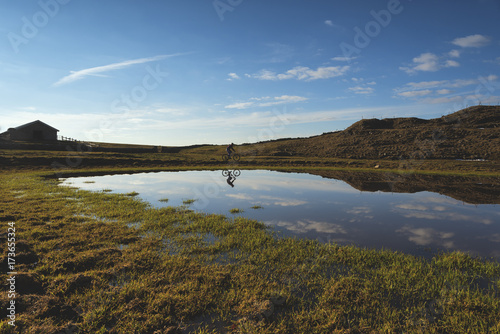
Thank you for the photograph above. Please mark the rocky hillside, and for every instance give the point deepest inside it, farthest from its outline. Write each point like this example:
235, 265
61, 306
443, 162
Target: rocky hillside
472, 133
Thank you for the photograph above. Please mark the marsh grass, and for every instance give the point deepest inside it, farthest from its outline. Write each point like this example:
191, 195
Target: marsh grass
132, 194
112, 263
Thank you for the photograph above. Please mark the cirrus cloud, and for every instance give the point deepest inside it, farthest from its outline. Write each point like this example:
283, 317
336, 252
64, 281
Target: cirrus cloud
97, 71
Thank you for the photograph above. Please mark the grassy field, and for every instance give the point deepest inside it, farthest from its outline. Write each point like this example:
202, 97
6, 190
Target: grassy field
95, 262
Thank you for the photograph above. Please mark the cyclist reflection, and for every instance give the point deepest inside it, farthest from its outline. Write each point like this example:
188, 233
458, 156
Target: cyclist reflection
231, 176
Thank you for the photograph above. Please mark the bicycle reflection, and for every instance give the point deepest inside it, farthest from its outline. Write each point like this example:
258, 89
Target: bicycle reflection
231, 176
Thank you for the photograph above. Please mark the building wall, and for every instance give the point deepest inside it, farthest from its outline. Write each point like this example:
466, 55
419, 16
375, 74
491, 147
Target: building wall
34, 132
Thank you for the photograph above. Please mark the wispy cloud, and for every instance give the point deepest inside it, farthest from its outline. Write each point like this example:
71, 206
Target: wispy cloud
343, 58
415, 93
427, 89
240, 105
362, 90
472, 41
97, 71
267, 101
303, 73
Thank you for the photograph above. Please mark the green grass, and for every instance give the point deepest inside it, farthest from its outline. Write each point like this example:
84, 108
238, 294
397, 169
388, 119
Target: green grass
236, 210
132, 194
164, 200
173, 267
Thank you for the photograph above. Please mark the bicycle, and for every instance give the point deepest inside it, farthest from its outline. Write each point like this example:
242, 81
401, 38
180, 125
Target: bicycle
234, 156
234, 173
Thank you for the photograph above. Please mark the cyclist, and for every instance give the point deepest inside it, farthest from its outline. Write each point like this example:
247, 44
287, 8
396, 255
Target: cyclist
229, 149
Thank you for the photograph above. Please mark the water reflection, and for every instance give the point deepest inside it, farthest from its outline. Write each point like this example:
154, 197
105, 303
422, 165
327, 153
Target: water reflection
231, 176
409, 213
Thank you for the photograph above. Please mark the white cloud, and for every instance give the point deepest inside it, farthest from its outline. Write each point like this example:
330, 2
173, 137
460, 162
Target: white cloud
451, 63
415, 93
425, 84
428, 62
428, 236
470, 99
245, 197
438, 212
96, 71
304, 226
240, 105
344, 58
472, 41
233, 76
282, 201
362, 90
283, 99
442, 87
454, 53
303, 73
271, 101
171, 111
330, 23
264, 118
410, 206
447, 99
444, 91
264, 75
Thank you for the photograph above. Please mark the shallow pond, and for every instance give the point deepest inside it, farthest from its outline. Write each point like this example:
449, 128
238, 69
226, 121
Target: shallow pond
331, 210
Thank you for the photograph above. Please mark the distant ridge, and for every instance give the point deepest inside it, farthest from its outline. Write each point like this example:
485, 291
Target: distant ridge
471, 133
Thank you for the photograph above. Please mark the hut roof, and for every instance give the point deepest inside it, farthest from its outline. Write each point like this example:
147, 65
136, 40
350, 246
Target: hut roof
32, 123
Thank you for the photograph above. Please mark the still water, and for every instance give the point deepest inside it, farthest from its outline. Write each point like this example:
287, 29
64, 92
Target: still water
327, 209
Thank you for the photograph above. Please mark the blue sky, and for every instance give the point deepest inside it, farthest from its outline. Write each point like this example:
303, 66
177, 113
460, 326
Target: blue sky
182, 72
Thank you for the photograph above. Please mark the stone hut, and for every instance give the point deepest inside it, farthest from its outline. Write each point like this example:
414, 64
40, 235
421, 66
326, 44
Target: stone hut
34, 131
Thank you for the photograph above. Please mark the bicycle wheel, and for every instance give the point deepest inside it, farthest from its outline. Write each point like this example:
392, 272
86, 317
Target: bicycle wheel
236, 157
225, 172
225, 157
236, 172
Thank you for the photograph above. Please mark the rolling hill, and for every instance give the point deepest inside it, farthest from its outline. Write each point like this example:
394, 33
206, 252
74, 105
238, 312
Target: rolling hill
471, 133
